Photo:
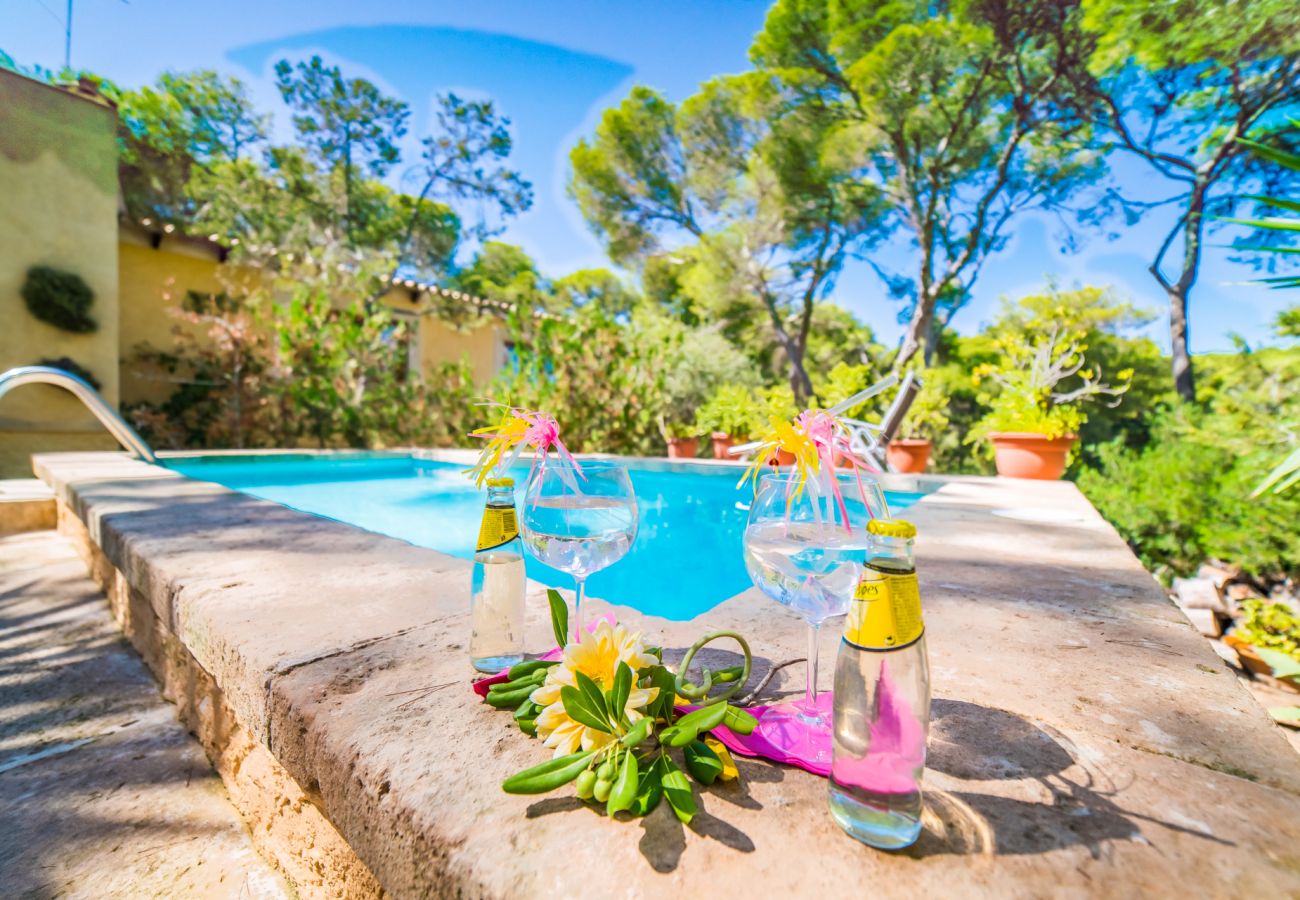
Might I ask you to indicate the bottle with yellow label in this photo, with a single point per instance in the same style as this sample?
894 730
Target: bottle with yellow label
882 697
497 591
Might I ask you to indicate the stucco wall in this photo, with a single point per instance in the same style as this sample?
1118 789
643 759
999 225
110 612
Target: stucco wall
482 347
152 285
58 207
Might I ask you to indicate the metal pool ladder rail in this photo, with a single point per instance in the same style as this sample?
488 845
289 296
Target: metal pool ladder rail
108 417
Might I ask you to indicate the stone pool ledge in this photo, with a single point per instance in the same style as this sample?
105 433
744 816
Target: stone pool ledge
1086 739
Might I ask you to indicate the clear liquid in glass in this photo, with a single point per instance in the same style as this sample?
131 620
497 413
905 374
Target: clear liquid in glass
497 609
882 719
579 534
810 567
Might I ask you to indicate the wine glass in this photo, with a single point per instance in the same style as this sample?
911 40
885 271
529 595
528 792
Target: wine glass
801 552
579 519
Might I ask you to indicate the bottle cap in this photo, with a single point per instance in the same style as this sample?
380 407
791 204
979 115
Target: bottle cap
500 482
895 528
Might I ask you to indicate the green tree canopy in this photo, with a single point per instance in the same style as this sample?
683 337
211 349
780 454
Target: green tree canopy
952 109
733 200
1176 85
169 130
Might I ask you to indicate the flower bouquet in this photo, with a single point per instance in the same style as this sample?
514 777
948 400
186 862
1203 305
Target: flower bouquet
613 714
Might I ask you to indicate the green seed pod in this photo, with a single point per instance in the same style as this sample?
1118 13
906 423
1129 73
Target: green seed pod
549 775
528 667
585 785
623 794
606 770
602 789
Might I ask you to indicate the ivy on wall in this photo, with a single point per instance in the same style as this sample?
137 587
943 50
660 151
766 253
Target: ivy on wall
60 298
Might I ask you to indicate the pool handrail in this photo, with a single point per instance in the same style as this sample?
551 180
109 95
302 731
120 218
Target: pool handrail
90 398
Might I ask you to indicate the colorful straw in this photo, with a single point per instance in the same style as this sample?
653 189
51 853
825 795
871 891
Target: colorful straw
813 438
518 430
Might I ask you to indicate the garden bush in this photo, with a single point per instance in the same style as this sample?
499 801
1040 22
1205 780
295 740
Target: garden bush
1186 498
59 298
72 367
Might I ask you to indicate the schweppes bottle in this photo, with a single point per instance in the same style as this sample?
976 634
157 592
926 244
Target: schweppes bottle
497 590
882 696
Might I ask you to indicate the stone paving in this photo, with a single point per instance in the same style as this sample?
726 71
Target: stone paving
1086 741
102 792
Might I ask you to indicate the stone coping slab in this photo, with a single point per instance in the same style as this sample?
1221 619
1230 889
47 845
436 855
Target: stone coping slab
1086 738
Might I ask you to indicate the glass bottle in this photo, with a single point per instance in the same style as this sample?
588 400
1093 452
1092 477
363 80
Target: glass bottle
882 697
497 590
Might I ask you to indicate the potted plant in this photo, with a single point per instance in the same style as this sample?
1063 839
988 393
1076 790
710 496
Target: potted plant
925 421
695 363
1266 635
682 439
1032 423
727 417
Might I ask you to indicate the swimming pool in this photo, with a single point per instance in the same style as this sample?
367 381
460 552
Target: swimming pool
686 558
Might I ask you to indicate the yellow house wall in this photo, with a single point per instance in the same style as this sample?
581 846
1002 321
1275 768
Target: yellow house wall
482 347
58 207
152 284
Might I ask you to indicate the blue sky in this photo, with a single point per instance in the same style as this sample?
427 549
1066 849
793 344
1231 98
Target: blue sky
552 67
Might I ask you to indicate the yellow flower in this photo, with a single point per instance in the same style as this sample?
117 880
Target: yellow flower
597 656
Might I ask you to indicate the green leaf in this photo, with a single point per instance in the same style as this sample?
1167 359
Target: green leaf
618 694
650 789
1287 714
580 710
663 679
638 733
623 794
549 775
1283 473
1283 664
677 789
1273 154
703 719
704 765
595 698
559 617
741 721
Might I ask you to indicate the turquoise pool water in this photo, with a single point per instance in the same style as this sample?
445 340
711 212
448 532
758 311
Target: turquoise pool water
686 558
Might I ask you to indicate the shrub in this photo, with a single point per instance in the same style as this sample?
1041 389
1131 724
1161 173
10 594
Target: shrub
1186 498
1270 626
60 298
731 410
72 367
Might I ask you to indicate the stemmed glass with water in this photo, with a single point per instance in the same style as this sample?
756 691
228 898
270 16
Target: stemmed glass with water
802 552
579 517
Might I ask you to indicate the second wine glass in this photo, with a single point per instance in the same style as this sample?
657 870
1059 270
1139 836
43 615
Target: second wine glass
579 518
802 551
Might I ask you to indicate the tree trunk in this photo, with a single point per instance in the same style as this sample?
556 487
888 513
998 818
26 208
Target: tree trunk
1184 383
1179 290
800 383
917 335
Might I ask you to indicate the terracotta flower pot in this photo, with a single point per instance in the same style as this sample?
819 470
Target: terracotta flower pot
683 448
722 442
1022 454
908 455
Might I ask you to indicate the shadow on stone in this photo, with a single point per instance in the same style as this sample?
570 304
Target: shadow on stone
977 743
